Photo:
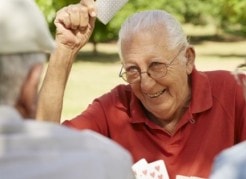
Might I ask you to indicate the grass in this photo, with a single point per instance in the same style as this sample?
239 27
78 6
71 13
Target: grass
92 76
87 81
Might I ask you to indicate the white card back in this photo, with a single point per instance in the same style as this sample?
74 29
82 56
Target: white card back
106 9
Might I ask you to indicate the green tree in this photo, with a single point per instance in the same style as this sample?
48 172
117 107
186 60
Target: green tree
229 14
50 7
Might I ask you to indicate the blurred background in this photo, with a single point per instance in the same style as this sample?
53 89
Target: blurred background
216 28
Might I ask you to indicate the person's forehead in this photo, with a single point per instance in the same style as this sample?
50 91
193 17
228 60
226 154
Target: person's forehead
146 37
146 44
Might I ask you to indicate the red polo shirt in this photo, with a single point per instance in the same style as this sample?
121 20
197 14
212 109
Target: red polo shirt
214 120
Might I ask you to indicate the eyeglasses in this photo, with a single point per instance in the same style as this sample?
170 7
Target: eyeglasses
156 70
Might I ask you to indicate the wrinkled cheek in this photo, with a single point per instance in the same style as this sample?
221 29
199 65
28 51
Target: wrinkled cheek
137 90
174 99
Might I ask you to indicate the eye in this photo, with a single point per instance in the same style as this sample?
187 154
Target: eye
132 72
157 66
132 69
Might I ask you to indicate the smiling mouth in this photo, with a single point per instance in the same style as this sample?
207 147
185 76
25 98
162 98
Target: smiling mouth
155 95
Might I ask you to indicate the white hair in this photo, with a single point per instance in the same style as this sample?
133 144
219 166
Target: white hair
14 69
151 21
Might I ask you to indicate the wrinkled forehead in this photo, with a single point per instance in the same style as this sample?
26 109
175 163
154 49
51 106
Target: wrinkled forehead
155 28
155 35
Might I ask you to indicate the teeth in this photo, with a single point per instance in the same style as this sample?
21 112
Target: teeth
155 94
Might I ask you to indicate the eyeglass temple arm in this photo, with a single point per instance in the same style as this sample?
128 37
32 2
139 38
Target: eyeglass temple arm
120 75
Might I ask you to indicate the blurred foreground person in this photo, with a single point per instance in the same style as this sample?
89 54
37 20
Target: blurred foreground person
230 163
168 111
32 149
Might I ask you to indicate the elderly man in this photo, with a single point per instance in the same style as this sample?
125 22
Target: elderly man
168 111
32 149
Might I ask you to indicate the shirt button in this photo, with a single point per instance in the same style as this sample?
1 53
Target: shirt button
192 121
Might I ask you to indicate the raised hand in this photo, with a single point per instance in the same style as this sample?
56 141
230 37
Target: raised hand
75 24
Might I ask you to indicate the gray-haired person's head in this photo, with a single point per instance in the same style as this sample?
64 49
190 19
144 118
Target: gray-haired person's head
25 41
158 22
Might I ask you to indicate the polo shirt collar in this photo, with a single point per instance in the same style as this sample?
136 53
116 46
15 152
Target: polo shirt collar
201 99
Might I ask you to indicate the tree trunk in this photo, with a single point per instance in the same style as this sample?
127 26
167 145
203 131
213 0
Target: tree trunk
95 52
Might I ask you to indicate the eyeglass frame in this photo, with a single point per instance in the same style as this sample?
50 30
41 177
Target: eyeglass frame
141 72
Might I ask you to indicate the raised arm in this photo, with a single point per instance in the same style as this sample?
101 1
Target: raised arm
74 24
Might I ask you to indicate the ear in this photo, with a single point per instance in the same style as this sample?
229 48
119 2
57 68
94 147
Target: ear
190 56
27 101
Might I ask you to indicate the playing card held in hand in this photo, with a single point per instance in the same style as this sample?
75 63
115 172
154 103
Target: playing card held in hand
154 170
106 9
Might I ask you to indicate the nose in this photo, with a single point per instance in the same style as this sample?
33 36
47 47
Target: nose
146 81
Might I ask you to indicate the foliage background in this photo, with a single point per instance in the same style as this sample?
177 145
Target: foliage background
225 15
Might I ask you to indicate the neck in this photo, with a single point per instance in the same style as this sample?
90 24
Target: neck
170 124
